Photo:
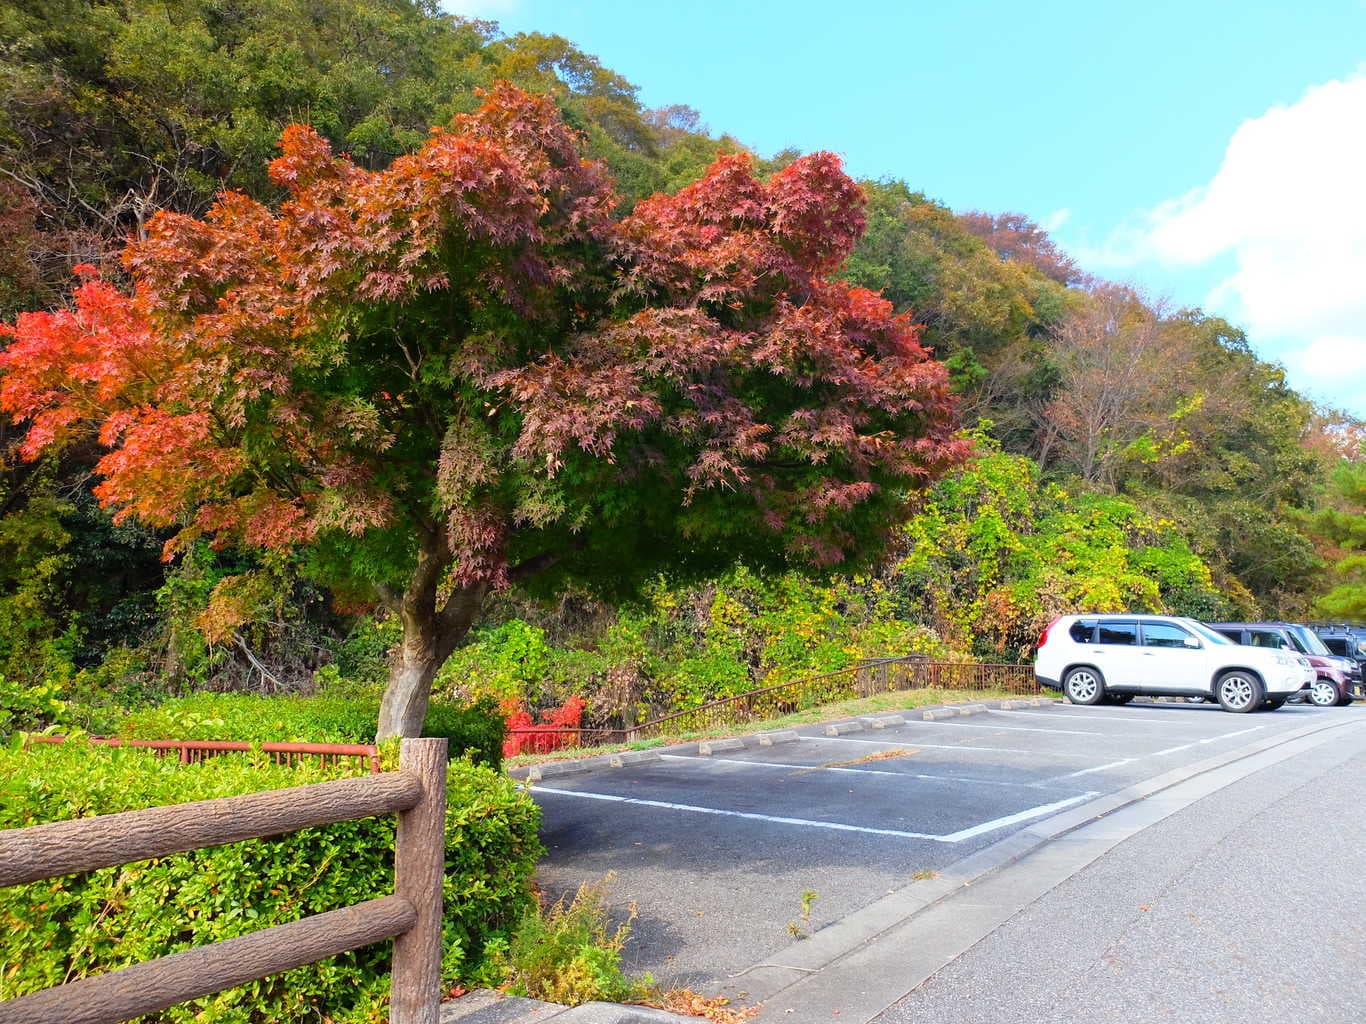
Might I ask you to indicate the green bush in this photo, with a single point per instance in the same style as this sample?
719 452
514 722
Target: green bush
476 729
570 953
72 927
31 708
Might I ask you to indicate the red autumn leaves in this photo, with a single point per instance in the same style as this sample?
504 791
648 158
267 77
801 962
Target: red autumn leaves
425 345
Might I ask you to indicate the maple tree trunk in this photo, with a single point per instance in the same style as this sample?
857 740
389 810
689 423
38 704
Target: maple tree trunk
430 633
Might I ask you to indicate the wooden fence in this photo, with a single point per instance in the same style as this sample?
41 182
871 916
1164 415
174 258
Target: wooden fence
411 916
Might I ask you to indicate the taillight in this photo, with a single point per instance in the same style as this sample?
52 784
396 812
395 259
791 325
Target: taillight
1043 637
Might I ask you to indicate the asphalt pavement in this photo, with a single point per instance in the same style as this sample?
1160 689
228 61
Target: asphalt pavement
1247 905
879 823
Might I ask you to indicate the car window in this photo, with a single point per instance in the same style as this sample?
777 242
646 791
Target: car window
1268 638
1118 633
1164 634
1308 640
1336 644
1083 631
1232 635
1213 636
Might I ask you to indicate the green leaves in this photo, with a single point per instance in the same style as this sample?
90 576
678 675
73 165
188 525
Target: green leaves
72 927
1343 526
996 553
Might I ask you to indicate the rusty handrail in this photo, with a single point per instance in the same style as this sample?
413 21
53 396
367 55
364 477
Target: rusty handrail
188 749
863 680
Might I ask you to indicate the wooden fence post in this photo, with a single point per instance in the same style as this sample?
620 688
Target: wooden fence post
419 870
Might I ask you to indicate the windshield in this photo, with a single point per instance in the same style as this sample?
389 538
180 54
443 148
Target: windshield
1209 634
1309 641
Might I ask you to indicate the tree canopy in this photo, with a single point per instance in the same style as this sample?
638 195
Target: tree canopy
461 370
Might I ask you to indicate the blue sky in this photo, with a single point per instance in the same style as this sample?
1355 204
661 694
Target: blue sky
1209 152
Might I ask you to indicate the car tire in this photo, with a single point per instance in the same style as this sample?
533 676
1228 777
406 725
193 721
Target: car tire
1273 703
1239 692
1323 694
1084 686
1344 700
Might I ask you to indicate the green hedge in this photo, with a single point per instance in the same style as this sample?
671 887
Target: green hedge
477 729
68 928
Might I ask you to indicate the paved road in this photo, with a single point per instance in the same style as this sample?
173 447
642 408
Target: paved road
717 851
1248 905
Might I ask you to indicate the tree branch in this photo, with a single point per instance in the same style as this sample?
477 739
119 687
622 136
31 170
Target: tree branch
255 662
533 566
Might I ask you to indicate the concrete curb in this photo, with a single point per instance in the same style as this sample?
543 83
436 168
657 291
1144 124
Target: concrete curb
883 721
630 757
938 714
706 748
550 769
795 965
843 728
486 1006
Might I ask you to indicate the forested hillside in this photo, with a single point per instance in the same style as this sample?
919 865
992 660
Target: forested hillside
1124 454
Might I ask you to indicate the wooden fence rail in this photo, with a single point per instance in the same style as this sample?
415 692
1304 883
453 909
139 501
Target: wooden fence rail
411 916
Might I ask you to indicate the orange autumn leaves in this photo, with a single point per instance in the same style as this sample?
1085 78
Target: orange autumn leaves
469 341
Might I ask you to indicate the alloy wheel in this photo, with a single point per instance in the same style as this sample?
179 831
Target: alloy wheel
1236 692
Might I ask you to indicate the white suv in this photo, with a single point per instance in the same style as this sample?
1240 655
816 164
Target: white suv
1093 658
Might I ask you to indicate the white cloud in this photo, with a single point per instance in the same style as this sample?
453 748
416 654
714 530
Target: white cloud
1287 209
1058 218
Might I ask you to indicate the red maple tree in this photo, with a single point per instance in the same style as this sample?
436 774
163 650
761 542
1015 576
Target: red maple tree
460 372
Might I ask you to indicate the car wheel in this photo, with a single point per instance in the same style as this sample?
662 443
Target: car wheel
1323 694
1084 686
1272 703
1239 692
1196 700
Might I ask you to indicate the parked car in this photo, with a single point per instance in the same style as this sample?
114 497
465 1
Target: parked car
1338 679
1094 658
1344 640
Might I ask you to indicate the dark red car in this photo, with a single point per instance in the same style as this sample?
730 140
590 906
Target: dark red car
1336 686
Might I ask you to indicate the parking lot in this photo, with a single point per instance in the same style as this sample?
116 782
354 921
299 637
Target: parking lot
717 850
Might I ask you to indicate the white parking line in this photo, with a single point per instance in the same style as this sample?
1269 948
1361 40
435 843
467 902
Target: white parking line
1089 771
1110 718
855 771
947 746
1209 739
1156 753
1017 728
995 823
837 826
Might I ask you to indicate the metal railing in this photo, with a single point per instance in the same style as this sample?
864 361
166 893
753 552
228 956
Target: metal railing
864 680
411 916
195 751
884 675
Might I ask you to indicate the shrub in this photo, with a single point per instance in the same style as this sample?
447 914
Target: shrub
68 928
30 707
556 730
569 953
476 729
